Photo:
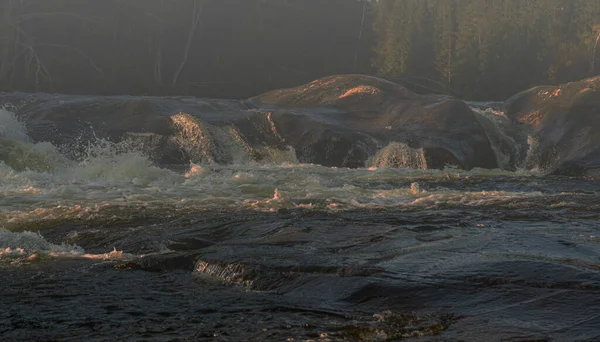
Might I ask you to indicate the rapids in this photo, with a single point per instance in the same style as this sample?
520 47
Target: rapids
247 241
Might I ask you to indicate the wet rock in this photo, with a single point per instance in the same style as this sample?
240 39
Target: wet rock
564 121
341 121
347 117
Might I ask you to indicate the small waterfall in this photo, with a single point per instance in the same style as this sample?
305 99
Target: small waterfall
399 155
516 145
236 274
194 138
250 277
532 159
508 142
210 144
540 159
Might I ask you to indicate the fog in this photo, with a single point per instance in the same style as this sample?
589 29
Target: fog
231 48
475 49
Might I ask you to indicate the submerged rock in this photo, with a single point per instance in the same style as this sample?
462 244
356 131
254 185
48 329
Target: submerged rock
564 121
342 121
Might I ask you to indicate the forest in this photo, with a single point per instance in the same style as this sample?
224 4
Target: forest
474 49
487 49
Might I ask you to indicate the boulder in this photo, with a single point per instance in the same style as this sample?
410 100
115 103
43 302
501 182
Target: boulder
564 121
343 121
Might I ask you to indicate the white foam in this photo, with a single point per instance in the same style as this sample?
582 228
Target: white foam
89 191
113 177
28 244
399 155
11 128
115 163
19 247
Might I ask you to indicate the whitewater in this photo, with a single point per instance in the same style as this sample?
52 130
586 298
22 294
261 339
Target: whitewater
97 240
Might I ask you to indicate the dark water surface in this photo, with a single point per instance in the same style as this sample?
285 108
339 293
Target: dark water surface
517 268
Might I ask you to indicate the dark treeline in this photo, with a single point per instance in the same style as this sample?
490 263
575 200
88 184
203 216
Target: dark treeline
478 49
487 49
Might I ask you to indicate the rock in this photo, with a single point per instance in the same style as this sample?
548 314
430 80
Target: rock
564 121
342 121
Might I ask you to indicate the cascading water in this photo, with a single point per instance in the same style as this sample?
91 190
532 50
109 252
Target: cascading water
532 158
11 128
515 147
210 144
508 143
19 153
399 155
194 138
38 183
318 249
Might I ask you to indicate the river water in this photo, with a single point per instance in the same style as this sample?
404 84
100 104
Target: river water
112 247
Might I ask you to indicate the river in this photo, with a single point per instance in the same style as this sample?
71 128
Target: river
115 247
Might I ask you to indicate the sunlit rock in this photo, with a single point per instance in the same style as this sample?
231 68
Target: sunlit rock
342 121
565 121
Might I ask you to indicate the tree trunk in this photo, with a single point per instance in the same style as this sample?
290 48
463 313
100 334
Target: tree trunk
158 59
593 64
360 34
7 42
451 42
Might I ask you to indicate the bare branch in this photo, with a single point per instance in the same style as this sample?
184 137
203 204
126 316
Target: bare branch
32 45
40 67
159 19
360 34
31 16
6 50
196 14
21 32
77 50
158 66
